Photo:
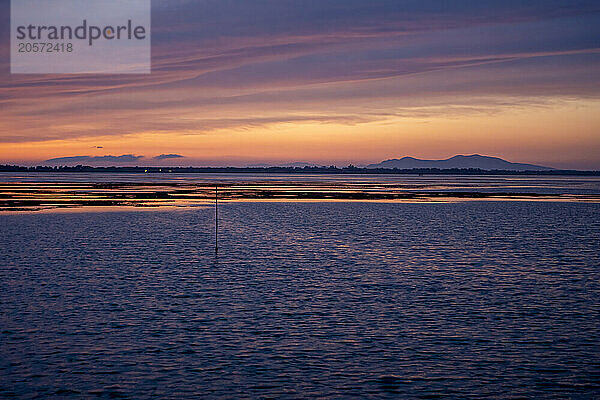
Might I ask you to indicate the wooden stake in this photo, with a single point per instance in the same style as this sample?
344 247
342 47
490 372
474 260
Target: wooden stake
216 219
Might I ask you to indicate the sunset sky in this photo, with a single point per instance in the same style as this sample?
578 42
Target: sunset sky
329 82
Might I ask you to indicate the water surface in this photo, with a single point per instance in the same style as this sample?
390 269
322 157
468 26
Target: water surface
328 300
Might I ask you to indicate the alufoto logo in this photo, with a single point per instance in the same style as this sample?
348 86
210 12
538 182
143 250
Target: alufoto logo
80 36
87 32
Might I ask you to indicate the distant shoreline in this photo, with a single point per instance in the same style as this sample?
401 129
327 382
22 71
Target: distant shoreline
288 170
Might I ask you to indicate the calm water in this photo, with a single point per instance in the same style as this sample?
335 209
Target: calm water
329 300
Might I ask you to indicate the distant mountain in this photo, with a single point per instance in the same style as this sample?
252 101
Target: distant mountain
472 161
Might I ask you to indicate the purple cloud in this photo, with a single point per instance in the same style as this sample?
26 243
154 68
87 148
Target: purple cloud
168 157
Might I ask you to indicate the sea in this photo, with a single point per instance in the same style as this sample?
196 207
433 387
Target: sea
321 299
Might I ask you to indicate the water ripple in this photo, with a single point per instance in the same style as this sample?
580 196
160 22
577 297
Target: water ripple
328 300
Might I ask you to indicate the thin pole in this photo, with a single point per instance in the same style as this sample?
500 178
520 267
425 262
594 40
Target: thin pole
216 219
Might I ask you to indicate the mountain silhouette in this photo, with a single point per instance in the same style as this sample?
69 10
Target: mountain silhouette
460 161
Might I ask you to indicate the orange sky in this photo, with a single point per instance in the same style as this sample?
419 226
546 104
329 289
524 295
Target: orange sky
523 86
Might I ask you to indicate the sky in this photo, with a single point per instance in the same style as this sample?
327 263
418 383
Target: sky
237 82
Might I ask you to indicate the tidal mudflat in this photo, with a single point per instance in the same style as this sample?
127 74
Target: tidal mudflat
54 191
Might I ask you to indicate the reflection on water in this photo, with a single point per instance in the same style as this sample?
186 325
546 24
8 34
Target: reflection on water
34 192
328 300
